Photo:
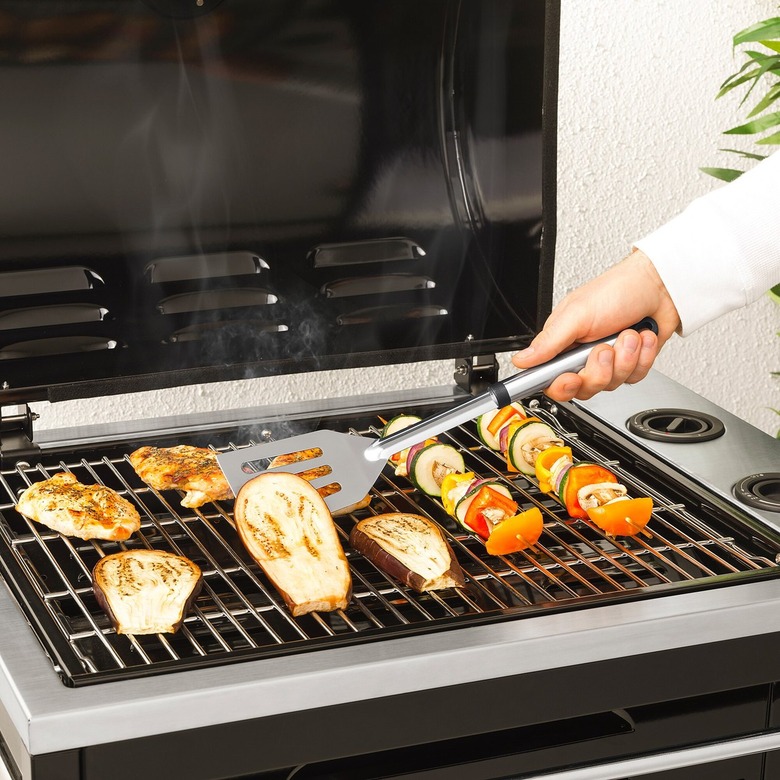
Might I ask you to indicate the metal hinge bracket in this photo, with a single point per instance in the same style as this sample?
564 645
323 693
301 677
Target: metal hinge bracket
16 434
474 374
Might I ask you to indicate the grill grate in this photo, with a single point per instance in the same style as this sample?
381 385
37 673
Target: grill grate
238 614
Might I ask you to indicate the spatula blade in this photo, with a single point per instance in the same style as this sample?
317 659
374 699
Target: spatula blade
341 452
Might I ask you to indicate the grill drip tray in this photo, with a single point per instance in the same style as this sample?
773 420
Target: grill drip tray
239 616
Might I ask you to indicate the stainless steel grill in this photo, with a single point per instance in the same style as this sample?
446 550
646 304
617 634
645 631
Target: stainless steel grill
240 616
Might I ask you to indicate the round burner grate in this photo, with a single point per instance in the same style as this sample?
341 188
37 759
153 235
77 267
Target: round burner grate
679 426
760 490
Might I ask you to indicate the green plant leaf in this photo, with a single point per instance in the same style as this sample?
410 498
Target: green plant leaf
760 56
732 81
768 29
770 140
753 75
748 155
771 96
773 45
724 174
774 293
757 125
770 65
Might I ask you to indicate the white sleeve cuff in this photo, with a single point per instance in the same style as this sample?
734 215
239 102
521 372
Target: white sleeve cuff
723 251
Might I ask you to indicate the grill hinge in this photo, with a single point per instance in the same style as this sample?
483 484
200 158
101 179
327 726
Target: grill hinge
16 433
475 373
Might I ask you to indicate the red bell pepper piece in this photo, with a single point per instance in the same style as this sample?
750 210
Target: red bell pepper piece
487 499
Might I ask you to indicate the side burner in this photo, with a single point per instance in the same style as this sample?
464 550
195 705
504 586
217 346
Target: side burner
682 426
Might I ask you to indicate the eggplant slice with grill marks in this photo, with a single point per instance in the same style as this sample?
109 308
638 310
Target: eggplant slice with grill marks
146 591
288 530
410 548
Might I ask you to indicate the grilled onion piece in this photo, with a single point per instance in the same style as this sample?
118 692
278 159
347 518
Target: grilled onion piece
64 504
194 470
146 591
286 527
410 548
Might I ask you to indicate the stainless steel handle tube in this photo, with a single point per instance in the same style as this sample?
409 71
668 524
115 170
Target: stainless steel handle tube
520 385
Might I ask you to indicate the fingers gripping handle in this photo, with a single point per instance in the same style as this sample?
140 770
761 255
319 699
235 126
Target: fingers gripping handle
532 380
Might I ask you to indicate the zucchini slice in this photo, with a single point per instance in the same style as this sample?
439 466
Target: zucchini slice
484 420
430 464
398 423
527 442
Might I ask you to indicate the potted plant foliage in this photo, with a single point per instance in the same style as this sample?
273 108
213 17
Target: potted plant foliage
759 76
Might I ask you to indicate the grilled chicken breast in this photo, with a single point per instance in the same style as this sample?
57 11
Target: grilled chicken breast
192 469
286 527
64 504
146 591
318 471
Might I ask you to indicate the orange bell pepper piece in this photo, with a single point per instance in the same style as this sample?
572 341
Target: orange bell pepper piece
502 416
623 518
516 533
545 461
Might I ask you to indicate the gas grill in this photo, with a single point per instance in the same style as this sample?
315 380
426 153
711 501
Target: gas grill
189 215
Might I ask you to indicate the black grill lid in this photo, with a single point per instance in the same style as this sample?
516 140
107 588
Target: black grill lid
203 191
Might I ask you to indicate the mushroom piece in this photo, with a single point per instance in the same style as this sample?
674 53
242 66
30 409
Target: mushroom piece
599 494
531 448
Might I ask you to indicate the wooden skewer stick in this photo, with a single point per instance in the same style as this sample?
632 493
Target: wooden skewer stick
639 530
528 544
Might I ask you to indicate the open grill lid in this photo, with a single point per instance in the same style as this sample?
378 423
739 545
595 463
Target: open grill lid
198 191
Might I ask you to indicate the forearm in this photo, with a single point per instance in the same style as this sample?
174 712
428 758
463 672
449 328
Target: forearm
723 251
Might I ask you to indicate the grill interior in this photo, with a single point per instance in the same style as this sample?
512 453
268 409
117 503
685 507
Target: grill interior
239 615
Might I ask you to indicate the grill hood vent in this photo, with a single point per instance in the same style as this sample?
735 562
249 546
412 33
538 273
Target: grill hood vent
270 151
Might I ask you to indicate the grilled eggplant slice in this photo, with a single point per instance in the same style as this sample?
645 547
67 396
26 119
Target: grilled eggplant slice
146 591
410 548
287 528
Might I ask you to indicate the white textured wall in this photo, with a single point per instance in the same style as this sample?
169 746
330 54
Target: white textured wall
637 118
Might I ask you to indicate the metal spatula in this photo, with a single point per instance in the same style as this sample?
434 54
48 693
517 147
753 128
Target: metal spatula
356 461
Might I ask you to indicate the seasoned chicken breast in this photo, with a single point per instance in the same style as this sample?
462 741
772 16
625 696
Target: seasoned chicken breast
63 504
192 469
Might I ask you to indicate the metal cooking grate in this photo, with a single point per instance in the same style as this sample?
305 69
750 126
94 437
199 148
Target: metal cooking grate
239 615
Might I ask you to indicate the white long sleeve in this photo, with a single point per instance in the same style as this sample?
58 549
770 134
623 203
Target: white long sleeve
723 251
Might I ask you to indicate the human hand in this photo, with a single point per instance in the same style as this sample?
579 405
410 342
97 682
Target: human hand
608 304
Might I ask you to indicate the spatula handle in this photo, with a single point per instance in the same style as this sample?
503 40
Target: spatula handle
499 394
